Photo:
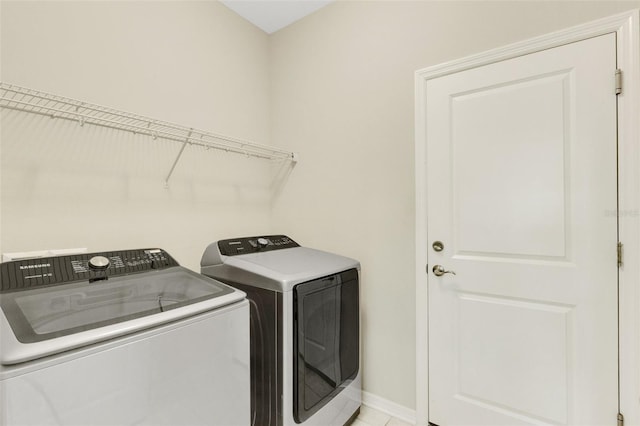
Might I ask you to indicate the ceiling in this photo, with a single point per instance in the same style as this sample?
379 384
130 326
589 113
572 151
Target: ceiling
272 15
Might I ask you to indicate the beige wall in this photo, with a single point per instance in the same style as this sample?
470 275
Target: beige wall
337 87
343 97
194 63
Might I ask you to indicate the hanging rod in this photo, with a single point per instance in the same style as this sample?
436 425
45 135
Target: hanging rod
37 102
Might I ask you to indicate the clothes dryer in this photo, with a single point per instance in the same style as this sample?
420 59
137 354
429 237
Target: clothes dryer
121 338
305 328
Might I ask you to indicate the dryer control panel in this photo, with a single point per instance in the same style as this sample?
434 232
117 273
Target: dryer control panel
30 273
237 246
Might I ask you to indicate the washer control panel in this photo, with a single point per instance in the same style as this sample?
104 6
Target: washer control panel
30 273
237 246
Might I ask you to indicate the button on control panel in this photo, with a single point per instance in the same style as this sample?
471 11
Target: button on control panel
98 262
237 246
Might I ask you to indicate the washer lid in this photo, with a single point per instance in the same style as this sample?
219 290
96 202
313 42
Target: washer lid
46 320
291 266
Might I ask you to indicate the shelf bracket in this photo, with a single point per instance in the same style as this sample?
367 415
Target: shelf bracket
184 145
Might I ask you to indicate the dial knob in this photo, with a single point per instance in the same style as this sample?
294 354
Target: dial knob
262 242
98 262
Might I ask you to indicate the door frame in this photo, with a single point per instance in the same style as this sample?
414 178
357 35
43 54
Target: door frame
626 27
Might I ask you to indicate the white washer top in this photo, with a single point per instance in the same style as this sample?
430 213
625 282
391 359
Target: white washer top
47 320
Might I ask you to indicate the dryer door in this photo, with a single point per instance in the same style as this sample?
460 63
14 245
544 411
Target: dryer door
326 340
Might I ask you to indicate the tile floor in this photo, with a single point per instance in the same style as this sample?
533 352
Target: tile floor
370 417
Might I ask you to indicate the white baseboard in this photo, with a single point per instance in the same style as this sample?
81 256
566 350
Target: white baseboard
389 407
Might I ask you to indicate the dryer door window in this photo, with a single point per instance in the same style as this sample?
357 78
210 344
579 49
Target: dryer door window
326 340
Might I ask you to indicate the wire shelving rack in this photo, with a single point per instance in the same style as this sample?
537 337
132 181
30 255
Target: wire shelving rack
37 102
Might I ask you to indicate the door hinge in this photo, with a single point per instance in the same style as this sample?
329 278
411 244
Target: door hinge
620 254
620 419
618 81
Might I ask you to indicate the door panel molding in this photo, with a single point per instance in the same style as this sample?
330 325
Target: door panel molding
626 28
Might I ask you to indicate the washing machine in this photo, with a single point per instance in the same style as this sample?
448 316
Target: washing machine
305 328
121 338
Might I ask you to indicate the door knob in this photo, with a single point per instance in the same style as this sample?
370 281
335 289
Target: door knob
439 271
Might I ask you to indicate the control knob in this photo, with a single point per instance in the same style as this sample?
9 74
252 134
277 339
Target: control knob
99 262
262 242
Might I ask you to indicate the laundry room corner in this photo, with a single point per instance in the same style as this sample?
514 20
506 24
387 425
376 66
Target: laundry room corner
334 91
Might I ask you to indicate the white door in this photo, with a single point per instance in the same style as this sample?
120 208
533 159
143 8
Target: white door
522 194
